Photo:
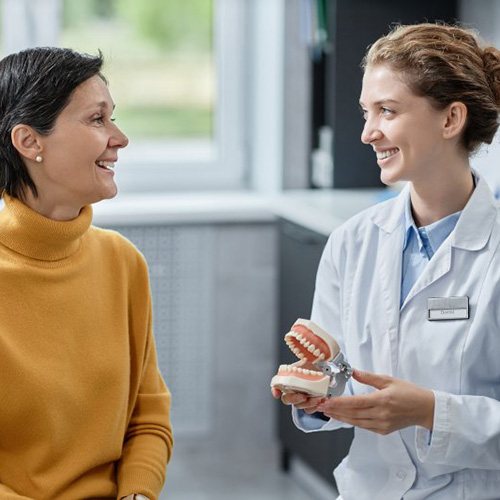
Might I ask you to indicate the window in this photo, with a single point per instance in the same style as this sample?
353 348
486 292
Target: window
175 72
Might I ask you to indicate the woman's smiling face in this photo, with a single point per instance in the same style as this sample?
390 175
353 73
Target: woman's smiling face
80 152
404 129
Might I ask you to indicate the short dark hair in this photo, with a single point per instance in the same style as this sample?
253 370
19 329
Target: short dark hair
35 86
446 63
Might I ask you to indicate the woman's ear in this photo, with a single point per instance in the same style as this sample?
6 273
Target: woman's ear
456 117
26 140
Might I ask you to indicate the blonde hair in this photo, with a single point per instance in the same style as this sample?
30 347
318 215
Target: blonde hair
446 64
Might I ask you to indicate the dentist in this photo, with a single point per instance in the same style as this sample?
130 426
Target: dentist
411 287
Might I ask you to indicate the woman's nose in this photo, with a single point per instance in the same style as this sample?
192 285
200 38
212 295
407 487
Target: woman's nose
118 139
370 132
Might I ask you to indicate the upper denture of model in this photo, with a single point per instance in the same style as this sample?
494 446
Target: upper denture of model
308 341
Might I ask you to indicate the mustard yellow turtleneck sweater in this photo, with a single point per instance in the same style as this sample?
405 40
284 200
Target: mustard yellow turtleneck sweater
84 412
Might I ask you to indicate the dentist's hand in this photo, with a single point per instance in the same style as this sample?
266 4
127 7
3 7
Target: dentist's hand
300 400
395 404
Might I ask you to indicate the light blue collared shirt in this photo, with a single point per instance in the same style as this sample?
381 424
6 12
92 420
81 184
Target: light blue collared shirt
420 245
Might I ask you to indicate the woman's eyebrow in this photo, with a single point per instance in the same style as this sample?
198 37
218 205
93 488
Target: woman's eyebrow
381 101
102 104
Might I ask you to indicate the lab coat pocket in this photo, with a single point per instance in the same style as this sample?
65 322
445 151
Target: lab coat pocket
430 353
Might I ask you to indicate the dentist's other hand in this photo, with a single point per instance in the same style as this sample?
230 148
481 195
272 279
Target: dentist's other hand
395 404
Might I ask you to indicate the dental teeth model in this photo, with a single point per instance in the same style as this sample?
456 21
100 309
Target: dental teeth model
321 369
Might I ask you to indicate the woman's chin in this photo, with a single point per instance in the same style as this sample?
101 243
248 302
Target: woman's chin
393 174
110 191
103 194
388 179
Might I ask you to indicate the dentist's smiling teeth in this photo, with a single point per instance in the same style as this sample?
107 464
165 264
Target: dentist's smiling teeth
382 155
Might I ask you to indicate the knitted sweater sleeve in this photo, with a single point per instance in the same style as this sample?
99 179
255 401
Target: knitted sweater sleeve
148 441
8 494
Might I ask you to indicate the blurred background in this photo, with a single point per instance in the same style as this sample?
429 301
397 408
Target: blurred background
159 58
244 155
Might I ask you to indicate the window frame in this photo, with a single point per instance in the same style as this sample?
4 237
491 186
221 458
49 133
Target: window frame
194 164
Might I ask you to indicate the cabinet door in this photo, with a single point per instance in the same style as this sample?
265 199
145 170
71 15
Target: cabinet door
300 252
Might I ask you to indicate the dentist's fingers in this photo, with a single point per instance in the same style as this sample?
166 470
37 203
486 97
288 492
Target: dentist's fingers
293 398
310 405
276 393
313 408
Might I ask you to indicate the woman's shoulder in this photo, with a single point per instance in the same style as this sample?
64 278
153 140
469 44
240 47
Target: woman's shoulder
115 244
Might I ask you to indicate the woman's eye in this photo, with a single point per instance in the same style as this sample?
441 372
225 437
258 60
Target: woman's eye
386 111
98 119
364 113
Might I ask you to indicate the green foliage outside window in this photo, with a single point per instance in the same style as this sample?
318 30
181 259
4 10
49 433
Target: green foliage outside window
172 24
158 57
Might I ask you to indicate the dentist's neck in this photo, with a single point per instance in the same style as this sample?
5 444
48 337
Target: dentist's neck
446 193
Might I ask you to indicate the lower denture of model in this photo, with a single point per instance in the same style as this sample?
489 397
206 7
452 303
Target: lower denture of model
311 344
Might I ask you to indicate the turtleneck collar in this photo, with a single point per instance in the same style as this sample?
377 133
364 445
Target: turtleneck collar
31 234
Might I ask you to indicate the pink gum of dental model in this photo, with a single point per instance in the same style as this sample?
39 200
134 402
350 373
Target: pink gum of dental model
311 344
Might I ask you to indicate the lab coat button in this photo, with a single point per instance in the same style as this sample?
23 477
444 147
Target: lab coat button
401 474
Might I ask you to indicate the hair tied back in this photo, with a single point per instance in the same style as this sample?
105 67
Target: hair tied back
491 61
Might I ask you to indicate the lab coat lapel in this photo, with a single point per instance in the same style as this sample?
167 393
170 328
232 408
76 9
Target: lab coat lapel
390 220
438 266
471 233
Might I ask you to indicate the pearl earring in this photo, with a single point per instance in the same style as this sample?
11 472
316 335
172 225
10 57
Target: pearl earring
39 159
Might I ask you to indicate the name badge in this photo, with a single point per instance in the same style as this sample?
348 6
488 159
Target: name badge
445 308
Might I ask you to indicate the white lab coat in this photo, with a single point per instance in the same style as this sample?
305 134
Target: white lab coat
357 300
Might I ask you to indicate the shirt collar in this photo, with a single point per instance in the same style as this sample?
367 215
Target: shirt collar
434 233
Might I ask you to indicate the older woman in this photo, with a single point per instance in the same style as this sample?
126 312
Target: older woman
84 410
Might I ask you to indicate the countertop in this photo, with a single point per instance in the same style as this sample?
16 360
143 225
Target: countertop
319 210
323 210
